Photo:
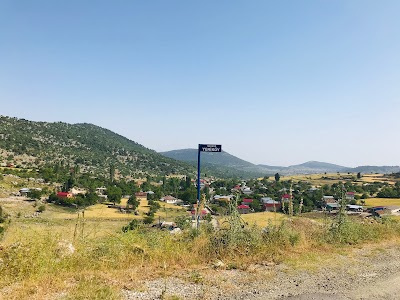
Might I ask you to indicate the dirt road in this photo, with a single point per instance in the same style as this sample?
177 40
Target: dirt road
368 273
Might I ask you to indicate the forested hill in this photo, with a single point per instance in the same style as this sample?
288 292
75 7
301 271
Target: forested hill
92 148
221 158
221 164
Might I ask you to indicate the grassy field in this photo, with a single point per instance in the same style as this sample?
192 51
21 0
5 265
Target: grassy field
382 202
106 260
317 179
99 220
263 219
370 178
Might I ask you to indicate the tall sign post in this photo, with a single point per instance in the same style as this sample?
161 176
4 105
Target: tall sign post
203 148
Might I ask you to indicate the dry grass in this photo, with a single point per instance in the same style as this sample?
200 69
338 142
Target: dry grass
317 180
263 219
107 260
371 178
382 202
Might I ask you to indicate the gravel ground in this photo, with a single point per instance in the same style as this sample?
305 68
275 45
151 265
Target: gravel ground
369 273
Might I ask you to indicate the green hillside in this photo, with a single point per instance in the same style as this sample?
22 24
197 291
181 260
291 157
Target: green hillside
221 164
93 149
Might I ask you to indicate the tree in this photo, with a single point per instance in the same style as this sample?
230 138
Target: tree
114 194
358 175
1 215
34 194
148 219
112 172
133 202
69 184
277 177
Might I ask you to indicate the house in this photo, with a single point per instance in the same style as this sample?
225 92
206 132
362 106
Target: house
101 191
24 192
271 205
286 197
222 198
350 196
356 208
247 201
141 195
246 191
332 206
202 213
385 210
235 189
265 199
376 208
64 195
243 209
171 200
328 199
76 191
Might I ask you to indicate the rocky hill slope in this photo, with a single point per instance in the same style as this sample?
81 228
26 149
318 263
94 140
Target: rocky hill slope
93 149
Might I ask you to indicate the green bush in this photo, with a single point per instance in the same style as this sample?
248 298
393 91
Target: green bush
41 208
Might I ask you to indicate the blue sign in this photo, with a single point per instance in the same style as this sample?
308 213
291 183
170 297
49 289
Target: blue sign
209 148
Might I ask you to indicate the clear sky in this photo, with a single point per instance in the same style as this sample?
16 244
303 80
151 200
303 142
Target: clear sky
275 82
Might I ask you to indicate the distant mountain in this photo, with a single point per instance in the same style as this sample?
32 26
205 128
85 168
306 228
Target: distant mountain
91 148
310 167
374 169
318 165
315 167
220 158
221 164
225 163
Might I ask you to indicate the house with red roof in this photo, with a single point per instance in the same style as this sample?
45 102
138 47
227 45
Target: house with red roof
141 195
243 209
236 188
64 195
203 213
350 196
271 205
247 201
286 197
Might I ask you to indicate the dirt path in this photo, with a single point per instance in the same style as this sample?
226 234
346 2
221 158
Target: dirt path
368 273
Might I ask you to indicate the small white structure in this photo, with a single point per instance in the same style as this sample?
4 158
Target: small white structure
247 191
351 207
24 192
76 191
171 200
101 190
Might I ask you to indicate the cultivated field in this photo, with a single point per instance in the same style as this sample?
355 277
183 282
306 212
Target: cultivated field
382 202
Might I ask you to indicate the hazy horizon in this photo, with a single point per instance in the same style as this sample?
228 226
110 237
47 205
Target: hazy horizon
276 83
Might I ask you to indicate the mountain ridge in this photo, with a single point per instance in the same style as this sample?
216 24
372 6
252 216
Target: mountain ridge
91 147
33 144
309 167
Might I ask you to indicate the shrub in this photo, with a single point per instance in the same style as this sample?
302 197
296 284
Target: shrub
134 224
41 208
148 219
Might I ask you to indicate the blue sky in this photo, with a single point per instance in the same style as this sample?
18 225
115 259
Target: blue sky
274 82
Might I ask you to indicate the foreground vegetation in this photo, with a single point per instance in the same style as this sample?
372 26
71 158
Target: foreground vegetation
36 260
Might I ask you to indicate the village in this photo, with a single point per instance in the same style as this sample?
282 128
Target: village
247 197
